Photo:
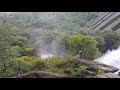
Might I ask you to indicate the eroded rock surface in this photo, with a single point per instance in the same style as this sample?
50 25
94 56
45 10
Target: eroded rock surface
92 66
107 75
41 74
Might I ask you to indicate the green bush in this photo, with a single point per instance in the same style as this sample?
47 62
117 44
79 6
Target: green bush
38 64
100 71
19 41
79 73
57 62
17 51
54 69
9 73
20 66
29 50
28 59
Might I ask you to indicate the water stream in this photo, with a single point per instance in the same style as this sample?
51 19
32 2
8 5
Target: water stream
111 58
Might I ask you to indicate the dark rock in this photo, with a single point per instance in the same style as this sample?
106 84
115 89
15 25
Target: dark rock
107 68
89 74
93 66
118 73
41 74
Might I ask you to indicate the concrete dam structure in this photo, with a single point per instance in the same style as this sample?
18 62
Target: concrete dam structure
107 21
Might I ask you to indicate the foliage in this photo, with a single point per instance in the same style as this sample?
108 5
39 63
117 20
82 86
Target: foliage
20 66
100 71
23 35
80 72
112 40
38 64
16 51
5 42
68 20
57 62
19 41
9 73
86 44
29 50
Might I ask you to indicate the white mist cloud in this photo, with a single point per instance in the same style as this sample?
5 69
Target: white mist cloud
111 58
47 55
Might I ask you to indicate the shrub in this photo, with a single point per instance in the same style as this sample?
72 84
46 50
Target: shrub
19 41
16 51
54 69
29 50
27 58
100 71
20 66
79 73
9 73
57 62
38 64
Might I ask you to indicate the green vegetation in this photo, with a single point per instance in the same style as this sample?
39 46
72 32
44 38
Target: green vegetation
100 71
5 43
24 36
86 44
80 72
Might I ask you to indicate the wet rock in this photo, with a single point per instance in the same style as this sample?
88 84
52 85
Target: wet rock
41 74
89 74
118 73
107 75
93 66
108 68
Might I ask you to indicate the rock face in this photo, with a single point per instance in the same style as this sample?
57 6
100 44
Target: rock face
118 73
93 66
41 74
107 75
108 68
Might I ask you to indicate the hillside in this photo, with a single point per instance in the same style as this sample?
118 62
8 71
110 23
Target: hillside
55 44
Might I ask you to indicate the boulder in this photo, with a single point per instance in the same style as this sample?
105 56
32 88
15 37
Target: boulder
40 74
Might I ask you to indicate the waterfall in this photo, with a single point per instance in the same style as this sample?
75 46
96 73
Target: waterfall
111 58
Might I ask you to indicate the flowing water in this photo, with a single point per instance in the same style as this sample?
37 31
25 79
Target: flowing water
111 58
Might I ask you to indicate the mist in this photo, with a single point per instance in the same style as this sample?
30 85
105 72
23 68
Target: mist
50 50
111 58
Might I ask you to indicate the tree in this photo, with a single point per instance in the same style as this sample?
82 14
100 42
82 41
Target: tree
69 20
86 44
112 40
5 41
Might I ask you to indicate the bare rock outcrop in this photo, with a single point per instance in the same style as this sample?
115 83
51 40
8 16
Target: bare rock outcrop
40 74
107 75
93 66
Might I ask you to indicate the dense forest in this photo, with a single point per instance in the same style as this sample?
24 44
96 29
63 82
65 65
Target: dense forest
51 42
